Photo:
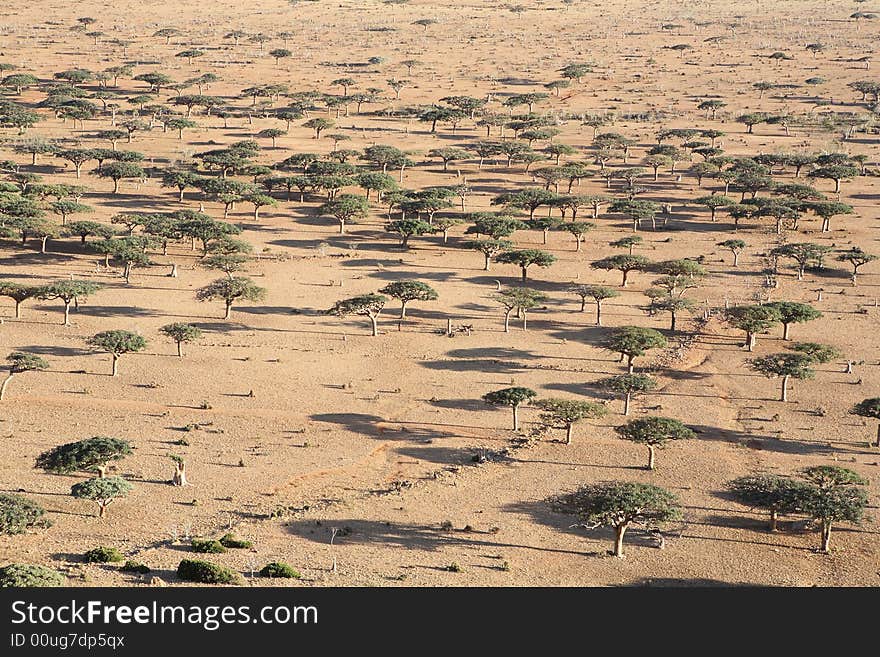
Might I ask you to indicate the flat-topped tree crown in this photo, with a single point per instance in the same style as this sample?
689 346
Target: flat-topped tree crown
634 341
88 455
368 305
565 413
654 432
619 505
103 490
407 291
513 397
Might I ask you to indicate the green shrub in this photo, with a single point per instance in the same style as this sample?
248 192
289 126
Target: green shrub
17 514
135 567
103 555
20 575
208 545
192 570
231 541
279 569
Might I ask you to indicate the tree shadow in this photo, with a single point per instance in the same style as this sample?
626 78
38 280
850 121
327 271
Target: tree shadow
355 422
758 442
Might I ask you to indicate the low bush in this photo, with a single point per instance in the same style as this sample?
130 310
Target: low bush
205 572
207 545
20 575
279 569
103 555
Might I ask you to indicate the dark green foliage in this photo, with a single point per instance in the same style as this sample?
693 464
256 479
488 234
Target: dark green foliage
18 514
205 572
18 575
135 567
280 570
233 542
774 493
88 455
103 555
208 545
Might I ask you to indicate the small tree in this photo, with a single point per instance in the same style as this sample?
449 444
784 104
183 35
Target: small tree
231 290
753 320
489 249
179 476
19 293
101 490
869 408
836 495
318 125
770 492
598 293
564 413
521 300
180 333
623 263
407 291
525 258
368 305
633 341
118 171
654 432
346 208
736 247
89 455
21 362
629 385
787 366
792 312
856 257
117 343
407 228
619 505
69 292
513 397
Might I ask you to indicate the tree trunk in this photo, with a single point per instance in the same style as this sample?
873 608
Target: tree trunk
507 320
516 417
784 395
115 364
102 509
598 313
735 259
785 328
651 455
179 349
626 402
5 383
403 310
619 533
486 265
774 516
375 325
826 536
179 477
629 363
18 310
228 310
67 313
568 430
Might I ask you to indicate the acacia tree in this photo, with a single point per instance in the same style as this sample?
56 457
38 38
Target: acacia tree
633 341
525 258
407 228
346 208
619 505
836 495
753 320
117 343
786 366
513 397
407 291
88 455
654 432
21 362
565 413
857 258
318 125
521 300
774 493
489 249
793 312
367 305
180 333
736 247
623 263
598 293
19 293
69 292
804 253
118 171
231 290
103 490
869 408
628 385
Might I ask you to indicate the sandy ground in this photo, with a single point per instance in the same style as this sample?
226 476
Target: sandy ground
372 439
